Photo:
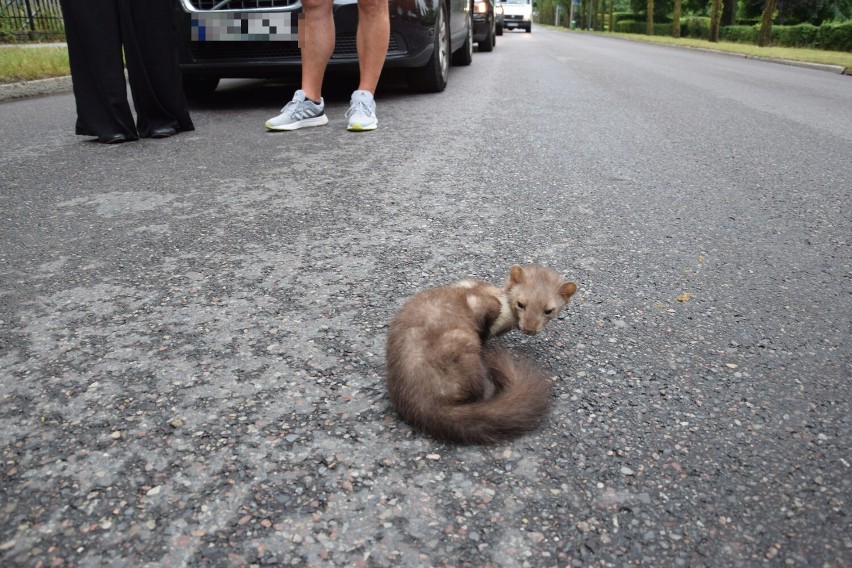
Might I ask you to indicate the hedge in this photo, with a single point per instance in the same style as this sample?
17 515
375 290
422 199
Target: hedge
833 37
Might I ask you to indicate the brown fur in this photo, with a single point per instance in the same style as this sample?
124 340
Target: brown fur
443 380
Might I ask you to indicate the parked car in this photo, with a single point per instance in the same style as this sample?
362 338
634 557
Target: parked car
517 14
498 16
257 38
484 25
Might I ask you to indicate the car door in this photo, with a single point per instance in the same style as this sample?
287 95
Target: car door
459 20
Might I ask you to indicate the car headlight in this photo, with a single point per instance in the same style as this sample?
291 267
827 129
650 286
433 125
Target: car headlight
481 7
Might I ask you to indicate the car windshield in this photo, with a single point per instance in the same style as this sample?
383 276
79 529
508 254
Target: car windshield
516 2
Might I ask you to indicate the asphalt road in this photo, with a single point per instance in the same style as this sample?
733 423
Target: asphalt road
192 329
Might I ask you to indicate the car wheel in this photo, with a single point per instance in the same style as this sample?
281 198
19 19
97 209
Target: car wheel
432 77
500 30
489 42
529 29
464 56
199 86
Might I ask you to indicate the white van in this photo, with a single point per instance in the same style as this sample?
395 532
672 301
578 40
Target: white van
517 14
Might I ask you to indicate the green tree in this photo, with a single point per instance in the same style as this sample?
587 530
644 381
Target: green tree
729 13
791 12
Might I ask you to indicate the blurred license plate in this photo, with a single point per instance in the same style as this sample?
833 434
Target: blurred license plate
243 26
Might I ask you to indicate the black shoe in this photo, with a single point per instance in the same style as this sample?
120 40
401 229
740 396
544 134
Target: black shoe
115 138
163 132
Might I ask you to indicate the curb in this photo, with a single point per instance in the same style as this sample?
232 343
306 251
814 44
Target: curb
38 87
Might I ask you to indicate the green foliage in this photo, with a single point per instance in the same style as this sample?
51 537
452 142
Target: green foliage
695 26
546 11
6 35
619 16
802 35
740 34
634 27
791 12
832 37
835 37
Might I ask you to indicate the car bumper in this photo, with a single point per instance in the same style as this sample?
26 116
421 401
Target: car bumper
481 28
517 22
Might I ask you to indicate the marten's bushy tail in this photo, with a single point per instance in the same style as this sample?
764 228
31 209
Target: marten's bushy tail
521 400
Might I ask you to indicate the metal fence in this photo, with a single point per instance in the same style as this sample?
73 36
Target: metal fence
27 20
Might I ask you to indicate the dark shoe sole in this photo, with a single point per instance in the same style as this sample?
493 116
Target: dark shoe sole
163 132
112 139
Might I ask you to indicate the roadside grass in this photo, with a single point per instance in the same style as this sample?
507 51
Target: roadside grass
28 63
840 58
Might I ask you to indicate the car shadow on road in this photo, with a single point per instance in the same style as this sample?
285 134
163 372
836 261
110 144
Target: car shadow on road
247 94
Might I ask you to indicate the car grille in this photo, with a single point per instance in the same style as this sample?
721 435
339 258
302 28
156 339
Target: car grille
240 4
513 17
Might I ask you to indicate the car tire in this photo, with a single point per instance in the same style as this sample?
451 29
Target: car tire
464 56
490 41
199 86
529 29
432 77
500 30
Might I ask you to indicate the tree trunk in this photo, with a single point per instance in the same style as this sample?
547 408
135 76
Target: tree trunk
649 27
715 20
765 37
676 18
611 21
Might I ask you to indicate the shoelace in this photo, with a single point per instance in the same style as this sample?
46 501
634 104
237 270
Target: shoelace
359 106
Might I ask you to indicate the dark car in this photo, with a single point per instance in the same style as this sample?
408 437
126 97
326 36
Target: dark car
257 38
498 16
484 25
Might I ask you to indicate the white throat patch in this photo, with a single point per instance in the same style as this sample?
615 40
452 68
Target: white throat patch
505 321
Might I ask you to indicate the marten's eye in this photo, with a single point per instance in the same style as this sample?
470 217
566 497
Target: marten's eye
548 311
521 306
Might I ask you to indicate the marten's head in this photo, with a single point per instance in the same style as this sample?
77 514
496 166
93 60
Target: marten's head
536 296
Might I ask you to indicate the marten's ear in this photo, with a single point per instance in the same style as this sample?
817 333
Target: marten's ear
567 290
516 275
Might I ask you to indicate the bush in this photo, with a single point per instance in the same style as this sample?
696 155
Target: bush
696 26
740 34
621 16
629 27
802 35
835 37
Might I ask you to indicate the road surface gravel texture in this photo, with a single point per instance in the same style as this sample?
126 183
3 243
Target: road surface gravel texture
192 329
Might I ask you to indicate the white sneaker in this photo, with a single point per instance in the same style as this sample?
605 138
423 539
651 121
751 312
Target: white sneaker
299 113
362 112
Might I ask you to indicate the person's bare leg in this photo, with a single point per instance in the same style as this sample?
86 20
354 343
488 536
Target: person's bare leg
316 39
372 41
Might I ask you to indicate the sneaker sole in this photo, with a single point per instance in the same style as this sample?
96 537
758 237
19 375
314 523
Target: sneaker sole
316 121
358 127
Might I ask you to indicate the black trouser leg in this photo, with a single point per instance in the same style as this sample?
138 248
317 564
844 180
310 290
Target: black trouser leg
150 51
94 52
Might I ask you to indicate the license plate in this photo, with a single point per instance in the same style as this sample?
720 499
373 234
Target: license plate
243 26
